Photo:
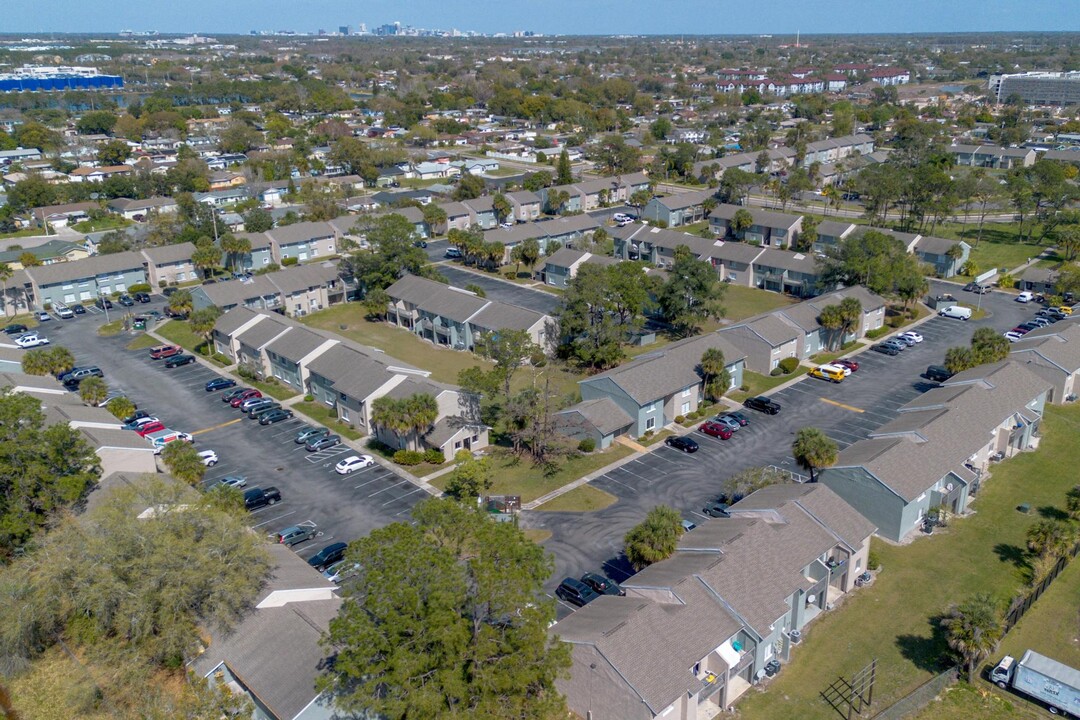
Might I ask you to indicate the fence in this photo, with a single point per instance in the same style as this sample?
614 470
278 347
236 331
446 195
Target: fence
790 474
920 697
1021 605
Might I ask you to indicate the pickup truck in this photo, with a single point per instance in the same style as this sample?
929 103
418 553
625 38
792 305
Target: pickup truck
256 498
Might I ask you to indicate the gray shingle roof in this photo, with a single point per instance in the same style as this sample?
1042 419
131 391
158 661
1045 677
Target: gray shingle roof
436 298
300 232
179 252
1059 344
262 332
296 343
502 316
228 323
603 414
86 268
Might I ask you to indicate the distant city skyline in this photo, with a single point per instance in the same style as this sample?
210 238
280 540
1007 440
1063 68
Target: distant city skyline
563 17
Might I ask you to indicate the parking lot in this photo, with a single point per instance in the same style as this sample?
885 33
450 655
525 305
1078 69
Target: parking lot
847 412
342 507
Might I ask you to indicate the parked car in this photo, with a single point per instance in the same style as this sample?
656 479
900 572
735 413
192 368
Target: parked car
150 427
142 297
762 404
310 433
254 404
716 509
81 373
328 555
738 417
126 301
1020 330
137 415
353 463
1025 297
137 423
420 244
296 534
602 585
900 345
937 373
233 481
220 384
322 443
730 420
575 592
245 394
178 360
15 329
78 309
165 351
169 291
681 442
233 394
274 415
688 525
716 429
31 340
970 287
44 316
832 373
258 497
885 349
209 458
1013 336
955 312
65 313
1042 322
103 303
849 364
911 337
341 570
452 253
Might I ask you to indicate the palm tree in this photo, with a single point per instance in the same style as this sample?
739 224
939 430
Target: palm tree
93 391
5 274
740 222
202 323
180 302
814 450
716 377
235 247
121 407
1051 538
183 461
973 629
37 362
60 360
387 413
832 319
1072 502
421 412
851 313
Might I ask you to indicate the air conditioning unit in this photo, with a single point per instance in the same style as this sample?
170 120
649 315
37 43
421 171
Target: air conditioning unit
795 636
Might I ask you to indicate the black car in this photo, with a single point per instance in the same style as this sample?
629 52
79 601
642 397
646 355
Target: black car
258 497
885 349
142 297
420 244
762 404
229 396
275 415
716 509
328 555
178 360
220 384
139 414
78 309
15 329
680 442
126 301
602 585
575 592
169 291
937 373
103 304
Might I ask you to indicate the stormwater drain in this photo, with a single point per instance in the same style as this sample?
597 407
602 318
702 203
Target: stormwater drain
278 469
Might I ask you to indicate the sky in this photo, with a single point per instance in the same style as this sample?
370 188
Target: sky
567 17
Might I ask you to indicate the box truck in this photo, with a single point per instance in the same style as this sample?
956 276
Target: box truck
1042 678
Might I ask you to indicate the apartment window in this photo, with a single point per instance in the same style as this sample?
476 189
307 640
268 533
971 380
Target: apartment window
475 438
686 392
650 423
697 669
345 413
858 565
685 408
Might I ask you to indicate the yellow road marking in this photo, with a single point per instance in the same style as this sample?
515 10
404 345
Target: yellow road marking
837 404
231 422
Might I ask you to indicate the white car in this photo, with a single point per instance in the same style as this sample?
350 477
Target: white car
354 463
1025 297
31 340
913 335
1013 336
209 458
235 481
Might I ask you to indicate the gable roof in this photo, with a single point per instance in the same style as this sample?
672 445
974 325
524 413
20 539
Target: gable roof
92 266
179 252
300 232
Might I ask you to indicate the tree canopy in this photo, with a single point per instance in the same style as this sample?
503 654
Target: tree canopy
692 294
392 253
874 259
602 307
654 538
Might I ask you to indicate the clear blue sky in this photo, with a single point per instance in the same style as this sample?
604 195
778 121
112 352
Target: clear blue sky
547 16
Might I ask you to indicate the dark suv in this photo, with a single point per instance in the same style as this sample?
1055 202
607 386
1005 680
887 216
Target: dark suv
937 373
602 585
328 555
258 497
575 592
762 404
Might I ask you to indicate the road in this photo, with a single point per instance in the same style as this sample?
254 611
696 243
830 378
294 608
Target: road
343 508
847 412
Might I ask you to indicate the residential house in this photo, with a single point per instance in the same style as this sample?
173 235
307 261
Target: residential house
100 174
657 245
696 631
570 230
600 420
655 388
562 266
47 253
304 241
830 233
222 198
935 453
457 318
735 261
525 204
787 272
170 264
946 256
274 656
764 342
225 180
573 203
139 210
458 217
84 280
992 156
1053 353
295 291
769 229
1041 280
290 354
63 215
260 253
481 212
18 155
678 209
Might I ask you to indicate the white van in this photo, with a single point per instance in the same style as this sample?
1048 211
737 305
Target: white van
1025 297
956 312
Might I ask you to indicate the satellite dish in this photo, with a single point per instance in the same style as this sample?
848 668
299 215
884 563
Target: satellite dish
949 488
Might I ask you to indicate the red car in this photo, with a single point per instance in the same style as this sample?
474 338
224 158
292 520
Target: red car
849 364
716 430
164 351
148 428
246 395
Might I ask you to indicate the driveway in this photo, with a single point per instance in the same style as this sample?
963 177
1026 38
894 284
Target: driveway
847 412
343 508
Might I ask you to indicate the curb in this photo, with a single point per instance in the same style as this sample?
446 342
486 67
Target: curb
583 480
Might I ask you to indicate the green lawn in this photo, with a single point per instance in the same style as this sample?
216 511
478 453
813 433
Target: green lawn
1052 626
276 390
824 358
110 222
743 302
348 321
179 333
581 499
327 416
521 477
648 440
983 701
893 620
142 342
758 383
111 328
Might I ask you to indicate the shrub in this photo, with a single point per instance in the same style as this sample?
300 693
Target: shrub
408 458
434 456
873 561
309 398
788 365
509 274
744 387
538 359
776 372
286 262
587 445
139 287
680 419
878 332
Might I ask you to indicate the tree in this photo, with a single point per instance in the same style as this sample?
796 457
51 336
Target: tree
93 391
206 257
814 450
563 173
96 122
735 487
832 320
392 253
1051 538
469 186
5 275
851 314
973 629
959 359
443 621
202 324
376 303
989 346
653 539
258 220
29 259
692 294
60 360
180 302
538 181
470 478
235 247
874 259
412 416
113 152
509 349
183 462
714 372
660 129
1067 239
741 222
615 156
435 217
602 308
501 206
121 407
37 362
44 469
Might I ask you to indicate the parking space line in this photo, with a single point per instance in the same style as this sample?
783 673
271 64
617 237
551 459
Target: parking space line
273 519
402 497
608 477
842 405
387 488
217 427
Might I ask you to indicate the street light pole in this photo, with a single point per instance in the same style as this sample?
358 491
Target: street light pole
104 304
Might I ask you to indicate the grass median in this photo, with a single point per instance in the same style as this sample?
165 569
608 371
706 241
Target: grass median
326 416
